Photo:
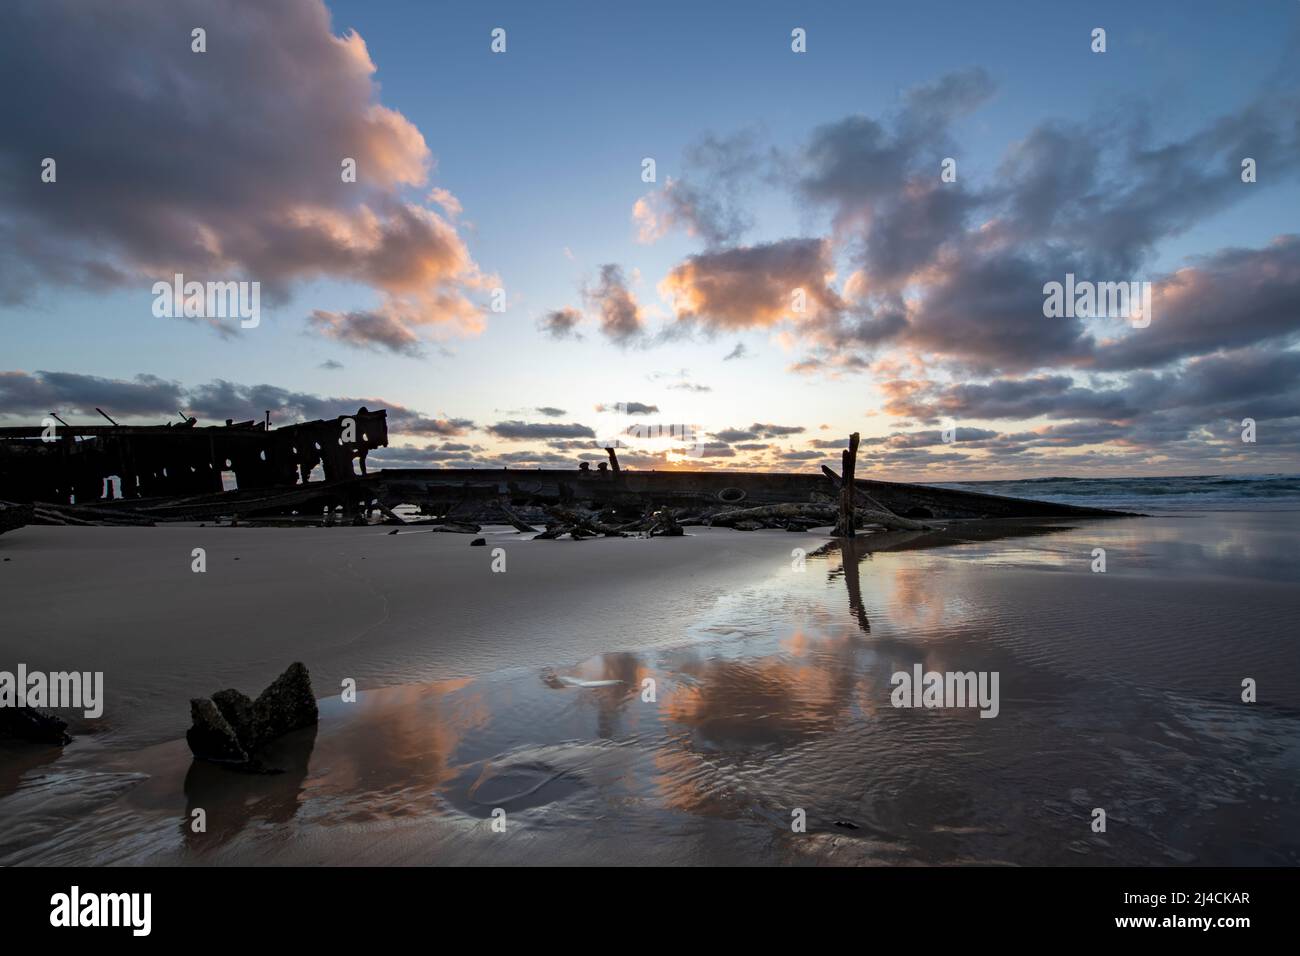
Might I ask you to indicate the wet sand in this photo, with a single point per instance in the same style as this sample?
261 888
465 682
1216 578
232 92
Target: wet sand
349 602
524 692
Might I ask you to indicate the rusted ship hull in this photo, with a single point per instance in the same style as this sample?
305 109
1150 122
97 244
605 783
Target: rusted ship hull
472 491
703 489
61 464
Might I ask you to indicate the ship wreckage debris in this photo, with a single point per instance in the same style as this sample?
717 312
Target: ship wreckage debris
250 473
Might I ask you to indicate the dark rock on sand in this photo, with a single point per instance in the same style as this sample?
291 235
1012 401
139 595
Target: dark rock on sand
33 724
229 728
286 705
237 709
211 737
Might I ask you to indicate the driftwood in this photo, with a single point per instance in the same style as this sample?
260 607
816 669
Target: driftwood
844 522
822 513
664 523
814 515
578 519
44 513
577 524
888 520
513 519
390 516
860 498
452 527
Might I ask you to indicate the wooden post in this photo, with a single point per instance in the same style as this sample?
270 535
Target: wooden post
613 460
850 458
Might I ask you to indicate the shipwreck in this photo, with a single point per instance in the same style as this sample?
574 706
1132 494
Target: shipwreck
315 472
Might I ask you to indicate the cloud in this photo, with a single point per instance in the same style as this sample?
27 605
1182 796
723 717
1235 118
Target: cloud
449 203
408 456
576 444
23 393
1187 418
739 352
923 439
378 330
752 286
708 449
1060 207
954 271
986 313
1052 396
854 164
952 95
221 399
1232 298
616 308
535 459
524 431
708 202
330 365
1112 213
147 396
549 411
734 434
629 408
679 380
405 421
171 161
757 430
561 323
776 431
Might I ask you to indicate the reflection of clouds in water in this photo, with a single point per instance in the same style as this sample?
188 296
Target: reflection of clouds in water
1254 545
231 800
609 684
729 703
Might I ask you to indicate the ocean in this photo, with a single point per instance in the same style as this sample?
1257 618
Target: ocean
1153 495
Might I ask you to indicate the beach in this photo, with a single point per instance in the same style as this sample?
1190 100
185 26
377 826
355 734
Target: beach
769 657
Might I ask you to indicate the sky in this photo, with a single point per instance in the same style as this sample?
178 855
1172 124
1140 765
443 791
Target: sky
502 276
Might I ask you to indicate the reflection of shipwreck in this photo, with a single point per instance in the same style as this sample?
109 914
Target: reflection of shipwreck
312 471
